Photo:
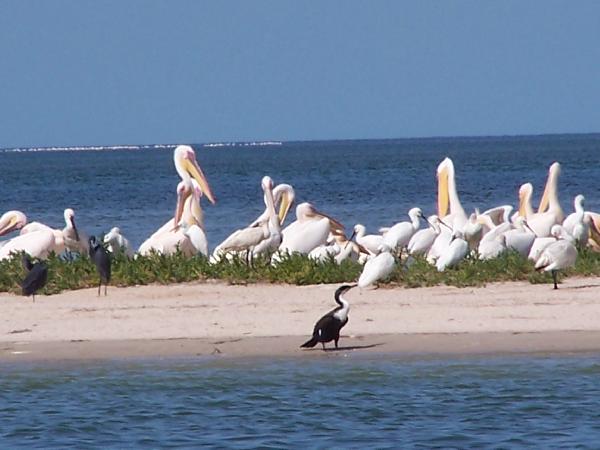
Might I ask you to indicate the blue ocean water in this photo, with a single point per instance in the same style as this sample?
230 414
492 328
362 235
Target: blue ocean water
372 182
333 402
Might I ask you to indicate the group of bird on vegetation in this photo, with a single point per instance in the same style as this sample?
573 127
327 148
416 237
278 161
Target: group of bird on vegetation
545 235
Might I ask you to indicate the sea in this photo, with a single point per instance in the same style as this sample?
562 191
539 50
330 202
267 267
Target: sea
343 400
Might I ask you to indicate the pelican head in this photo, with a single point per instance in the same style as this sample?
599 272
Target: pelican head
286 195
267 183
551 186
525 193
69 215
188 169
445 170
12 220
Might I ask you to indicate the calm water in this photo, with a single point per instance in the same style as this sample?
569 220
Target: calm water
371 182
355 401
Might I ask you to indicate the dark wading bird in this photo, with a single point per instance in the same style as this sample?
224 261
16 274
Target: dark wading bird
328 327
101 258
37 275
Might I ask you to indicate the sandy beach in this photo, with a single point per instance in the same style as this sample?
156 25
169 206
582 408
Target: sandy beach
201 319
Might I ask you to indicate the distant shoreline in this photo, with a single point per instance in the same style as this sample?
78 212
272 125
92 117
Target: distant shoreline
279 142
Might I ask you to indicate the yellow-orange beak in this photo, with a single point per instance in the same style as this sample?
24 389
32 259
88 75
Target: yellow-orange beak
443 197
192 167
284 207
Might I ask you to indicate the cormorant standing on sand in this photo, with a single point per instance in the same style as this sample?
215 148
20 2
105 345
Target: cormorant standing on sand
101 259
36 277
328 327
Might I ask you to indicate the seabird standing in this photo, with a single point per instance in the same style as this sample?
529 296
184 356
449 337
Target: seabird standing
101 258
36 277
328 327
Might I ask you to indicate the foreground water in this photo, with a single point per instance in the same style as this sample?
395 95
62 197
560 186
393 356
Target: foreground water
369 182
335 401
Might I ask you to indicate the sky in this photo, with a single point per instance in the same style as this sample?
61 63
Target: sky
113 72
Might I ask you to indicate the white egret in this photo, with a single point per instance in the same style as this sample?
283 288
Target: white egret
398 236
520 238
577 224
558 255
454 253
377 267
117 242
370 241
422 240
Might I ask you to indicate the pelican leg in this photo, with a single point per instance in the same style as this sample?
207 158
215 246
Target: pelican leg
554 278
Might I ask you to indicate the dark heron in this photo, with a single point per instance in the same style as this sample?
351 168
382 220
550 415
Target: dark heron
37 275
101 258
328 327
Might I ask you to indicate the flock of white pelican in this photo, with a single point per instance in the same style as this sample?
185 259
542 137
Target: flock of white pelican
545 236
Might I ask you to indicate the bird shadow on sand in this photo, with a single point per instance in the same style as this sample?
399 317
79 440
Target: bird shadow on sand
583 286
351 347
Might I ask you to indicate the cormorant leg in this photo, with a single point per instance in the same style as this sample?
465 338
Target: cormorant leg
323 344
33 298
554 278
105 287
99 287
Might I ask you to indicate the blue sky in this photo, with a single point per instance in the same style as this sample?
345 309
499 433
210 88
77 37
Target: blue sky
107 72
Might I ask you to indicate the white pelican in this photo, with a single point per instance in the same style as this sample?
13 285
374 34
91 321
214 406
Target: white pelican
283 197
246 239
594 238
558 255
188 169
449 208
187 235
370 241
189 191
399 235
310 229
37 244
549 212
525 208
377 267
454 253
11 221
117 242
577 224
521 238
422 240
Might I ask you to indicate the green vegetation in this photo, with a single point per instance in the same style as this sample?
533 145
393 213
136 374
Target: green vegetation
295 269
